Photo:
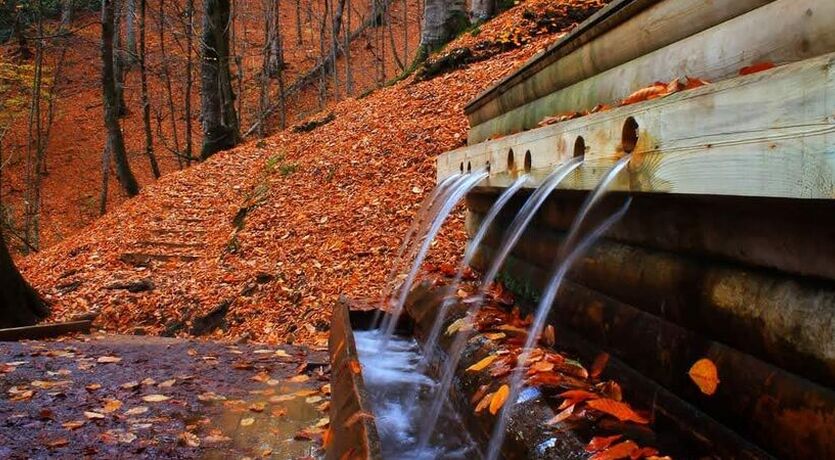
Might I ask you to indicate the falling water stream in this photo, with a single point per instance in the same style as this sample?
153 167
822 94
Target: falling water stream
459 190
469 253
566 257
514 232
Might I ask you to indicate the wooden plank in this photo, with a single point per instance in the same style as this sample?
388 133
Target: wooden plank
782 31
781 319
729 138
790 236
787 415
620 32
44 331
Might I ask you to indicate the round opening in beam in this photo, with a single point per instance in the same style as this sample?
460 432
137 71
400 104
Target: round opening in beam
511 162
629 137
579 147
528 161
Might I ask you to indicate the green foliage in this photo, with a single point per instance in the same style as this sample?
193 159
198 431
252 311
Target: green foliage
521 287
287 169
272 162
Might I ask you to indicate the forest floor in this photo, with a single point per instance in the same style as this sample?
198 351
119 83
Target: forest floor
114 397
259 242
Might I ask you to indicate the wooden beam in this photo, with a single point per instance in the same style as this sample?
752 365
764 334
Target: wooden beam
781 319
783 31
729 138
618 33
44 331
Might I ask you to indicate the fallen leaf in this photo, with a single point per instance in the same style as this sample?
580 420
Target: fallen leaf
313 399
705 375
499 398
481 365
618 451
155 398
93 387
257 407
126 438
598 365
108 359
93 415
562 416
354 365
60 442
599 443
210 396
247 421
111 405
129 385
322 422
304 378
617 409
168 383
756 67
73 425
189 439
136 410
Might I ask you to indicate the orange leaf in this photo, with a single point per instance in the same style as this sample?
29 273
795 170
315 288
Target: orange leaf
599 443
479 366
693 82
645 94
756 67
705 375
599 364
499 398
618 451
485 401
355 366
562 416
617 409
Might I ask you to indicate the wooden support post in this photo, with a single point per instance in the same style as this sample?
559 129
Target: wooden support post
44 331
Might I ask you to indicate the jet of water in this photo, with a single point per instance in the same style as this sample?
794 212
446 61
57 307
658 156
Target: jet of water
566 257
514 232
538 325
472 247
418 227
461 189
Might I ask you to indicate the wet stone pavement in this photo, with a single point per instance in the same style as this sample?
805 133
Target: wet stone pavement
151 397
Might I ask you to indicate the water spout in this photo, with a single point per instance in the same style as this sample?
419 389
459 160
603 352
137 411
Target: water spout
470 252
460 189
514 232
566 257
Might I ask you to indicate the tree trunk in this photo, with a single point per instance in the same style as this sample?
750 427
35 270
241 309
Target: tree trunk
119 59
23 51
35 147
129 11
276 50
67 10
20 305
146 103
298 22
482 10
166 73
189 78
217 100
337 25
442 19
110 99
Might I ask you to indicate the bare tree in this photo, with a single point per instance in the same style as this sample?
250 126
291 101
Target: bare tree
217 100
146 103
119 63
166 74
67 12
189 77
35 145
115 140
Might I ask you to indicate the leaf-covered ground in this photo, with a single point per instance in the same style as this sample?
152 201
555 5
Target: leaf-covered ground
260 241
114 397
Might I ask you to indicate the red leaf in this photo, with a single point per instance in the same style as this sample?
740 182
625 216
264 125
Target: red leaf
756 67
599 364
618 451
617 409
599 443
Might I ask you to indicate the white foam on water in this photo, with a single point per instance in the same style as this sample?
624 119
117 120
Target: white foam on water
400 397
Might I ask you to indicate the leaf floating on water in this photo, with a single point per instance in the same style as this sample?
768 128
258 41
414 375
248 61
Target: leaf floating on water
304 378
108 359
73 425
705 375
247 421
189 439
155 398
599 443
111 405
137 410
499 398
617 409
60 442
481 365
460 324
93 415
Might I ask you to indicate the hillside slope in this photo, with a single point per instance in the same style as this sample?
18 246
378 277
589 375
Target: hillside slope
319 213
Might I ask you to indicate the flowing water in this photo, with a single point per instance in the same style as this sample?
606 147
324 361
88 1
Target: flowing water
458 191
514 232
399 395
566 257
472 247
